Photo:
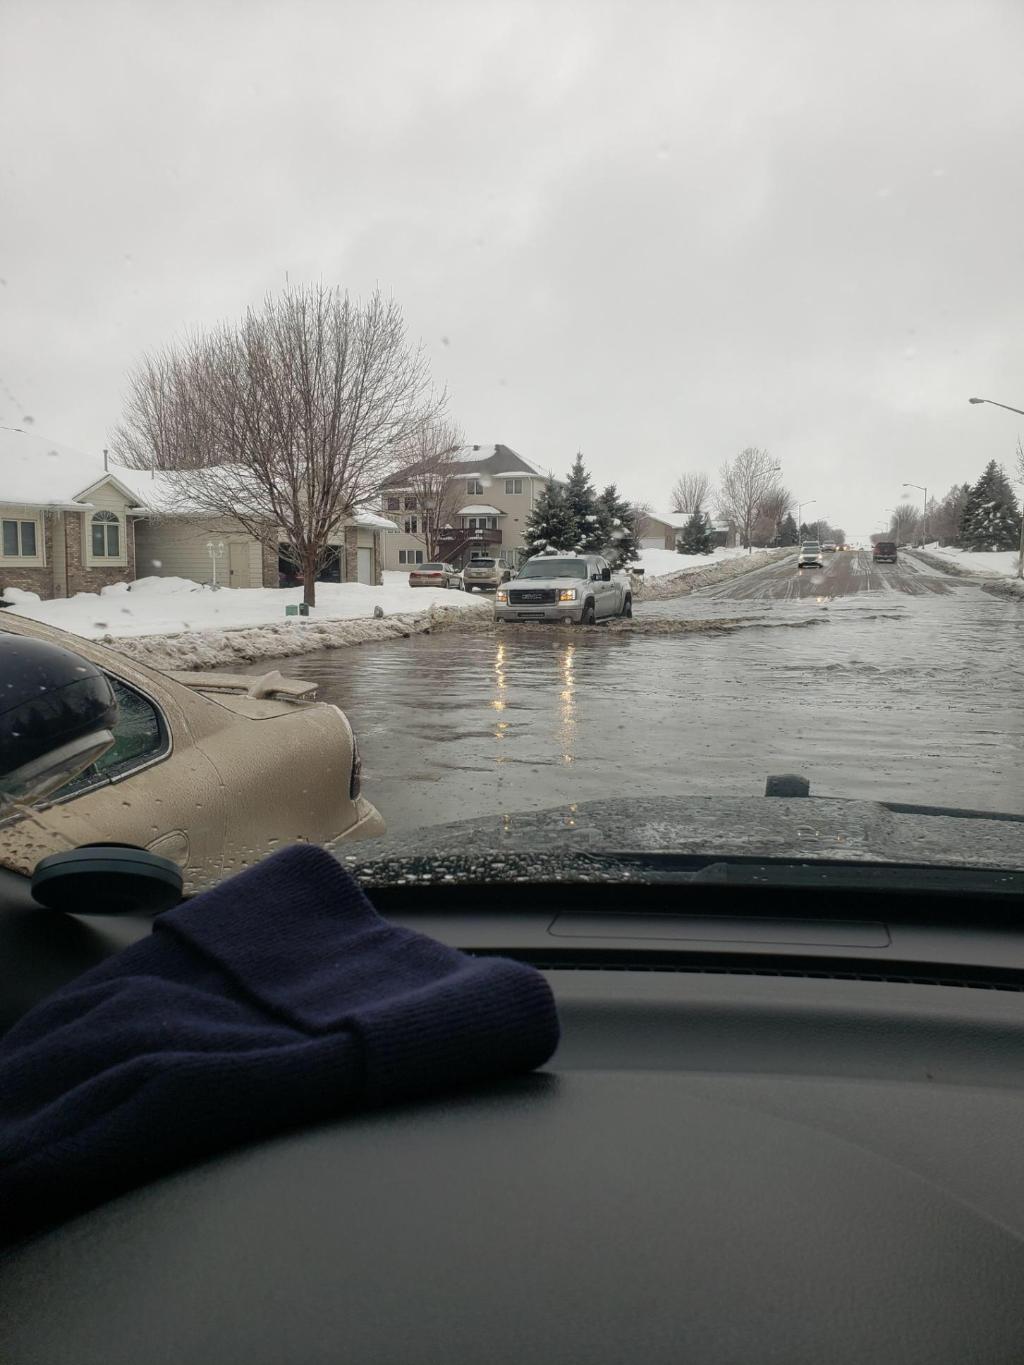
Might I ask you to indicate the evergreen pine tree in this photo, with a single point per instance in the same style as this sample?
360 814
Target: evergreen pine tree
788 533
695 537
617 521
991 520
551 525
581 501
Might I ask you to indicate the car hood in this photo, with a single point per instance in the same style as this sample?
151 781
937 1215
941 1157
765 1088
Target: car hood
601 839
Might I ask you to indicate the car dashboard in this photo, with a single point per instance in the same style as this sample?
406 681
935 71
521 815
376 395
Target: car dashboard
784 1123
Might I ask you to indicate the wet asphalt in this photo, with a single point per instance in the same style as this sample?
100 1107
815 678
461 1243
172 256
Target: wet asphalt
895 682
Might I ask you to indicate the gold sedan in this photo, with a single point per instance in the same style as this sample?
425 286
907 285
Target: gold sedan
211 770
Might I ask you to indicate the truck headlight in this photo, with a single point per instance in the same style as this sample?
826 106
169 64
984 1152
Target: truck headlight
567 594
501 595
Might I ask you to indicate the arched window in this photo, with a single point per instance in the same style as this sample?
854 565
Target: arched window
106 536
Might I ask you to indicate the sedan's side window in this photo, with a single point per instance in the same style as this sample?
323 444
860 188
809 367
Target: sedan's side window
140 736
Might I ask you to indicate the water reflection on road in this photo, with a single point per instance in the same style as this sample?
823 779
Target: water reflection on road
901 696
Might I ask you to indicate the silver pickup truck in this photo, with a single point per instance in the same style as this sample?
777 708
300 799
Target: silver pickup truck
575 589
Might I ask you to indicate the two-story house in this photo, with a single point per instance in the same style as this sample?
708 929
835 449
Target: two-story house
485 508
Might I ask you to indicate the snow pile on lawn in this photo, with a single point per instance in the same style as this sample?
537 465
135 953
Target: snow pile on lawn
206 649
174 606
657 563
707 570
994 563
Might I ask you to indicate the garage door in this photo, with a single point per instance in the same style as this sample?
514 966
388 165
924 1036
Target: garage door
364 564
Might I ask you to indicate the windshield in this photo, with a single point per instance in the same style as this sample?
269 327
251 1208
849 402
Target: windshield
553 568
343 343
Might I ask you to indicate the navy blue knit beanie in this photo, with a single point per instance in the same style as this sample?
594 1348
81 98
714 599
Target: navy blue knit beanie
277 999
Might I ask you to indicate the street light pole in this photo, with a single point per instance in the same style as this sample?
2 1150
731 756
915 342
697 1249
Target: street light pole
924 522
1020 551
996 405
800 512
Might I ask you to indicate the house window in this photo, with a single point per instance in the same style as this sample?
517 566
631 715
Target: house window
19 539
410 504
474 487
393 504
514 486
106 536
410 526
410 556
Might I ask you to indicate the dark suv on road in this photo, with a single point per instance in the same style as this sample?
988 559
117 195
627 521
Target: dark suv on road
884 552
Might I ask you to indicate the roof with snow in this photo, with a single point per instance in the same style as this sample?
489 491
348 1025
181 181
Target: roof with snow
362 517
675 520
479 461
480 509
38 472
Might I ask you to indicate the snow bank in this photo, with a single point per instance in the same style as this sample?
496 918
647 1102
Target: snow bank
178 606
202 649
657 563
701 570
992 563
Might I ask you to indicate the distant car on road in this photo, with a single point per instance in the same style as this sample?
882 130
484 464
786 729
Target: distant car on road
435 576
575 589
829 547
884 552
810 556
486 573
210 770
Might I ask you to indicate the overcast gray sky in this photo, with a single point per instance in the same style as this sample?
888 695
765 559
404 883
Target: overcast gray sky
656 232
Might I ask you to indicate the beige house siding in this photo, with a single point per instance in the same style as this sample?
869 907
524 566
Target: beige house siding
170 547
514 508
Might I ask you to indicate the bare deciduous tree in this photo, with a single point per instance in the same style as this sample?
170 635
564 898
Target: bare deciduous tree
431 476
286 421
770 515
691 492
746 484
904 522
640 515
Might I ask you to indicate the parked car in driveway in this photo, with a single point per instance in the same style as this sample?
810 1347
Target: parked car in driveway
810 556
486 573
211 770
578 589
435 576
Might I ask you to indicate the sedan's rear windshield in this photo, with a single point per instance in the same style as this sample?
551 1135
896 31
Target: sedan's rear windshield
429 568
554 568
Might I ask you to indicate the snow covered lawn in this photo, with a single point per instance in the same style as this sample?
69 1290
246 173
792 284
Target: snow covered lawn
174 606
995 563
655 563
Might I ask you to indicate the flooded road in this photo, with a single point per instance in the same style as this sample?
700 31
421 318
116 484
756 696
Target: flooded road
908 688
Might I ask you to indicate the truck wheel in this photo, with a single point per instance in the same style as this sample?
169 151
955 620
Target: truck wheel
588 618
627 607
